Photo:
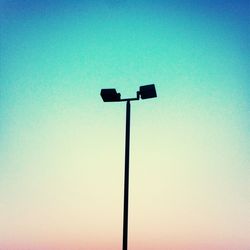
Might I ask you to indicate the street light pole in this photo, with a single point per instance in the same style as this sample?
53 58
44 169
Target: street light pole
126 179
110 95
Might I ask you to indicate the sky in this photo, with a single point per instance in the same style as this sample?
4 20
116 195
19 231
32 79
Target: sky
62 148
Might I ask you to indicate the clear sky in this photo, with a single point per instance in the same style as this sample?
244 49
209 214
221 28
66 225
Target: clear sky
62 148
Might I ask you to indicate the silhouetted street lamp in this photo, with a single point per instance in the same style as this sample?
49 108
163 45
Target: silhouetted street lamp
110 95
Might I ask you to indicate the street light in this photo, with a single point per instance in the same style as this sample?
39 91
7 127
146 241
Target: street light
111 95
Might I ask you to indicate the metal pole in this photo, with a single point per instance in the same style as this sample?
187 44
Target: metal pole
126 179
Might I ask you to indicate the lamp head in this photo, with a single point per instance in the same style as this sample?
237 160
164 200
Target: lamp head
110 95
147 91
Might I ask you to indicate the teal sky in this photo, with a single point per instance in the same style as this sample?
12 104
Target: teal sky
62 148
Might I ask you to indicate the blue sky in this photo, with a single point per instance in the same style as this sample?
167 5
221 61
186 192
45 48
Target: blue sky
62 148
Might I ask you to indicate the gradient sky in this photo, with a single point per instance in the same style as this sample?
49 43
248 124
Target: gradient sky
62 148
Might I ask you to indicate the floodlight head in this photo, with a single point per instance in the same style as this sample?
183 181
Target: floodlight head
110 95
147 91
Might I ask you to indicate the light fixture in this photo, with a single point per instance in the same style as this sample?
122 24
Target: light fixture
111 95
